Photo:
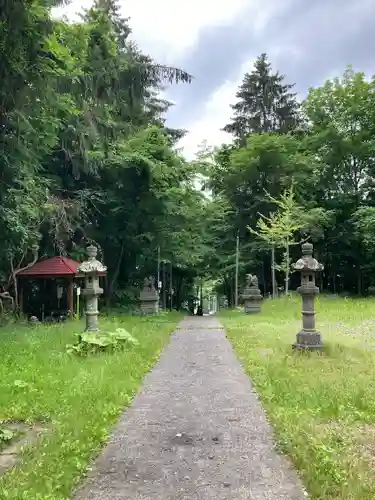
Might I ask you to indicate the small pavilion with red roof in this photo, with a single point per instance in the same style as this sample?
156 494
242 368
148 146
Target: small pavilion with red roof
47 287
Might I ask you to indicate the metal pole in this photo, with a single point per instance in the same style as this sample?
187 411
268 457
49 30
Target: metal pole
237 265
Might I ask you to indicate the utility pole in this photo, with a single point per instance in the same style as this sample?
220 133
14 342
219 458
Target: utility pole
273 272
171 288
164 288
237 266
158 268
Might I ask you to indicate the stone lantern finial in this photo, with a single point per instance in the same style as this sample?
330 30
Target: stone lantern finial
308 337
92 252
307 248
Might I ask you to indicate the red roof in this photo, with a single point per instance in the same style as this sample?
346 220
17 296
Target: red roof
57 266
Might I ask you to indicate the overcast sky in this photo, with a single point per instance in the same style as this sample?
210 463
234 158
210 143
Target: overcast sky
217 41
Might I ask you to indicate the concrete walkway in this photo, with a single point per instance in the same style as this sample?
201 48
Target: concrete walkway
196 431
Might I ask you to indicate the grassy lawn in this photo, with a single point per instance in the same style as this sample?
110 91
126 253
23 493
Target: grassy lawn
322 406
77 399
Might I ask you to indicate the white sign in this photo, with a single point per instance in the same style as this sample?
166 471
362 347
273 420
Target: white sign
160 284
78 290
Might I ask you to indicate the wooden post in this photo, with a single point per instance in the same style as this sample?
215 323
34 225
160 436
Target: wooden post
70 296
78 311
43 297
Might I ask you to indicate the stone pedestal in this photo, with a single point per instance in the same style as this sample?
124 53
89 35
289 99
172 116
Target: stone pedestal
91 269
251 295
308 338
149 298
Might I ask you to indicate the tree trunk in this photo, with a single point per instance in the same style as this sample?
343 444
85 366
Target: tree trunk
334 282
111 287
15 285
273 273
359 281
15 270
287 269
228 291
179 286
265 288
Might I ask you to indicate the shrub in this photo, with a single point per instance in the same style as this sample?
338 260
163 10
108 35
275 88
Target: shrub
95 342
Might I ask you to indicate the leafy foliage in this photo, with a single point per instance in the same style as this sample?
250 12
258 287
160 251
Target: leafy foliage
85 154
327 155
6 435
93 343
279 229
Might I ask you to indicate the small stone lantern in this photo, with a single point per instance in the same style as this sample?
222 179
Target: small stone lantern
308 337
91 269
149 297
251 295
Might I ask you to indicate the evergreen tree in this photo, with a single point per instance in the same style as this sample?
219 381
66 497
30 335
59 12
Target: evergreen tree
265 103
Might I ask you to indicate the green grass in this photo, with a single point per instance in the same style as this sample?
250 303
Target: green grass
78 399
322 406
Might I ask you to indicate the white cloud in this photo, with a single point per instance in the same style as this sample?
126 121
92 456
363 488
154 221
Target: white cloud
72 10
217 111
215 114
166 29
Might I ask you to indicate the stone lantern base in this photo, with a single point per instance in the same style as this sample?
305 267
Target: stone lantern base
308 341
252 300
149 303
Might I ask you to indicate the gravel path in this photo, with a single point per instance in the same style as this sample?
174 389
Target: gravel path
196 431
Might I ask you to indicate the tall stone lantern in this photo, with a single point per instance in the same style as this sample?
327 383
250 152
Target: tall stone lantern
308 337
149 297
251 295
91 268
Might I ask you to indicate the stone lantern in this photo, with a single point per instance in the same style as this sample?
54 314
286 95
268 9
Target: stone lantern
251 295
308 337
91 268
149 297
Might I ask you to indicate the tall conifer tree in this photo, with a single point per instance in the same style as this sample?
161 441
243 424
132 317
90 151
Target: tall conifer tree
264 103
